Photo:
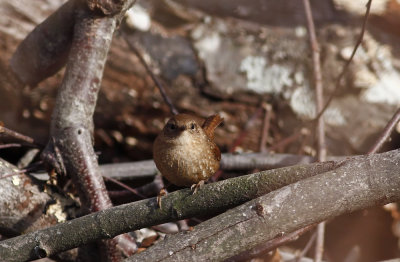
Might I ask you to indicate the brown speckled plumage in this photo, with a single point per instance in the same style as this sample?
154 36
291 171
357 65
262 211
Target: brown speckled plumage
185 152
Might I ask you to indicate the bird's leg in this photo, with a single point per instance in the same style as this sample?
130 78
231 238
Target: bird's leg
196 187
163 192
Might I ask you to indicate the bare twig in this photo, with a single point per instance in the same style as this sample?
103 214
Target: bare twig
265 131
19 136
158 83
132 190
33 167
287 140
317 79
270 245
345 68
307 247
385 133
321 149
10 145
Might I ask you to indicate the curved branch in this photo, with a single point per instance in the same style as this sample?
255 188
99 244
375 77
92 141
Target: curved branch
356 184
211 198
45 50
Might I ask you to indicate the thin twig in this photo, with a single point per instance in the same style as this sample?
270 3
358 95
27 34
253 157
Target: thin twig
317 79
32 167
307 247
345 68
10 145
319 248
166 98
270 245
287 140
19 172
134 191
19 136
266 125
385 133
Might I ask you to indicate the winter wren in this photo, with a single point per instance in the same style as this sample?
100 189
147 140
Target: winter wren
185 152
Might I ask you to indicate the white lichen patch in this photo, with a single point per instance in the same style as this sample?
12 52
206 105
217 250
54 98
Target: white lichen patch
300 31
16 180
138 18
208 44
57 211
302 103
265 79
364 78
333 116
357 7
386 90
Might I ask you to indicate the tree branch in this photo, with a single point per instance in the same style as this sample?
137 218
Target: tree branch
45 50
178 205
358 183
158 83
70 148
320 128
346 66
385 133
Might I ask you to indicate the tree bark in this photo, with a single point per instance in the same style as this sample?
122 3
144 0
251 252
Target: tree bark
356 184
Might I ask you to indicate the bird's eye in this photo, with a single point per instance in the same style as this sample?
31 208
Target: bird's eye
192 126
171 126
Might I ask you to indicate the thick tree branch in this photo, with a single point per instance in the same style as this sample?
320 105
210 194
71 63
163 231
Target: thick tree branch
181 204
70 148
72 121
45 50
356 184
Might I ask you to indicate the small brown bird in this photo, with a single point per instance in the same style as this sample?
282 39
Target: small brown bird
185 152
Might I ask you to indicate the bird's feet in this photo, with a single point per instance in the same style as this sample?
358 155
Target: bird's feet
163 192
196 187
